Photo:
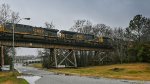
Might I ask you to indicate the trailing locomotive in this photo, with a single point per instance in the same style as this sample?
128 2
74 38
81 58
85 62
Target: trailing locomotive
86 38
68 37
80 37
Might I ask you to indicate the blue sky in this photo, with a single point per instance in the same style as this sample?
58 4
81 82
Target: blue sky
114 13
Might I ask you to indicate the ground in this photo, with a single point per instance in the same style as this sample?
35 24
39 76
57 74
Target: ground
43 76
134 71
11 78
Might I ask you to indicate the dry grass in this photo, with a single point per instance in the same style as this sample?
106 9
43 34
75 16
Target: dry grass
135 71
11 78
125 71
37 65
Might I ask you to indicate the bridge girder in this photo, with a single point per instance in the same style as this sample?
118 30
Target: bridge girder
48 46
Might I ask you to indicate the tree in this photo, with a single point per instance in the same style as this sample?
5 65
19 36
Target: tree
49 25
146 34
7 16
137 27
99 29
45 53
4 13
82 26
120 44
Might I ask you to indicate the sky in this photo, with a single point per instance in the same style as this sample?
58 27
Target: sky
63 13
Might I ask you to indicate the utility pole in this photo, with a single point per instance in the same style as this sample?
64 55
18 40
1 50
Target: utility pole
13 44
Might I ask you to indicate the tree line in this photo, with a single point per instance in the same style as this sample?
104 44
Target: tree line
131 44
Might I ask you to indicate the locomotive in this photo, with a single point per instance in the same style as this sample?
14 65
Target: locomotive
27 30
30 32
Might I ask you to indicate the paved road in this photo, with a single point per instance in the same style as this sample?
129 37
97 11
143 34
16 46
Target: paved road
51 78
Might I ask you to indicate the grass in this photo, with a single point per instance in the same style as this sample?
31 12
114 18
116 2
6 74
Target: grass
11 78
36 65
135 71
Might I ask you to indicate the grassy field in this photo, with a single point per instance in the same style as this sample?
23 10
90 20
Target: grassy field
11 78
135 71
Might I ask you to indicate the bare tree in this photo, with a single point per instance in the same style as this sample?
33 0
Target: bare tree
99 29
82 26
14 17
7 16
119 42
45 53
4 13
49 25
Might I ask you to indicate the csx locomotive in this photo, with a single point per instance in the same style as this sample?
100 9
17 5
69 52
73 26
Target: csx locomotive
35 33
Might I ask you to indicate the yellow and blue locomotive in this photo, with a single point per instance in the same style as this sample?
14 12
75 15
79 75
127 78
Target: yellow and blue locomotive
26 31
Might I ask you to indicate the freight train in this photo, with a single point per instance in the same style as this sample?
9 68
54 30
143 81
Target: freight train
68 37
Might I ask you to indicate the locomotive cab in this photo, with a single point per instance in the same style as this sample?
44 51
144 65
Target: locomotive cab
67 35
